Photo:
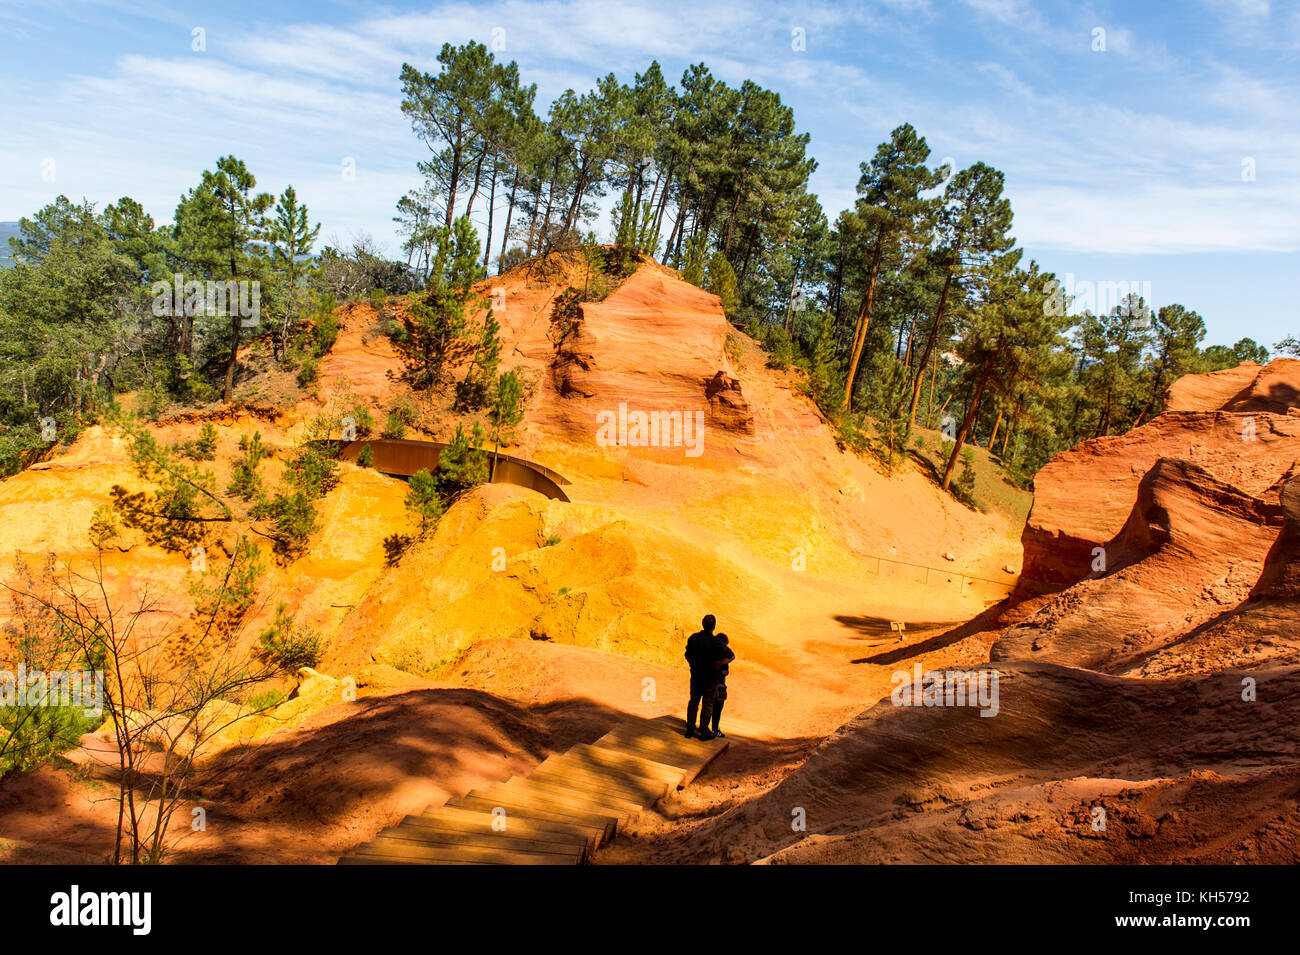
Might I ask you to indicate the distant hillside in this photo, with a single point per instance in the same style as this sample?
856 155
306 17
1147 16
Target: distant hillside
7 229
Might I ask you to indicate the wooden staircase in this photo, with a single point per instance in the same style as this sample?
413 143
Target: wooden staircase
560 813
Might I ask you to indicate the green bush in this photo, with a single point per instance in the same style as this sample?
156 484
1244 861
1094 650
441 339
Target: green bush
267 700
245 481
288 646
423 499
312 472
364 421
31 735
366 457
309 373
394 427
294 519
325 327
402 415
462 465
202 448
965 483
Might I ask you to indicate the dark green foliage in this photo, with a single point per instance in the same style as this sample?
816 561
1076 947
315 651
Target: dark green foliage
424 499
288 646
507 408
965 485
204 447
312 468
366 456
223 592
463 464
245 477
176 513
308 372
293 521
36 733
720 279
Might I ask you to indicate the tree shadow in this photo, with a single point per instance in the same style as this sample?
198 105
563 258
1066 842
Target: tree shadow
945 638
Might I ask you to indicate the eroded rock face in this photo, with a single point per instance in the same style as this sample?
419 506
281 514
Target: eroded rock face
1240 425
1212 391
1192 548
729 408
1281 577
656 344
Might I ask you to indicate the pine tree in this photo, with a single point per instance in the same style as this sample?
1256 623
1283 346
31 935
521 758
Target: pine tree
433 334
889 212
290 240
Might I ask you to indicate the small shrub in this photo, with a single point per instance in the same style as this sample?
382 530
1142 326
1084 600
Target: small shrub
402 415
394 426
325 328
267 700
204 447
423 499
288 646
965 483
245 481
366 456
363 420
311 472
309 373
294 519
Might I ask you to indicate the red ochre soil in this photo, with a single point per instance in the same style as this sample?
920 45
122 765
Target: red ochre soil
524 625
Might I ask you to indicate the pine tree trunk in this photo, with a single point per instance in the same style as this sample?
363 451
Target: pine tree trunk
994 436
478 176
492 201
860 328
229 388
452 184
967 420
510 211
929 343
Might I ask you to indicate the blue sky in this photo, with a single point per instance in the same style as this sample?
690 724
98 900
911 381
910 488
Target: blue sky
1122 164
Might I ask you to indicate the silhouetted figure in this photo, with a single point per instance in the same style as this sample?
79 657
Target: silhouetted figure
706 655
720 695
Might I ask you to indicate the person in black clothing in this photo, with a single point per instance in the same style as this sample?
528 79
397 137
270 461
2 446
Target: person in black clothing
720 695
706 654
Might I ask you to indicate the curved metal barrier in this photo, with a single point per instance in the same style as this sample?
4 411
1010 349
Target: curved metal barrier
404 457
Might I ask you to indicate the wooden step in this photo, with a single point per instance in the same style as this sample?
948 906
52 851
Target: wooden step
590 786
562 799
389 846
519 806
560 813
420 828
628 760
691 756
428 835
584 793
516 823
580 799
608 777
